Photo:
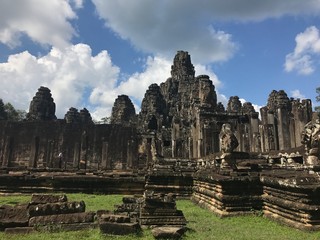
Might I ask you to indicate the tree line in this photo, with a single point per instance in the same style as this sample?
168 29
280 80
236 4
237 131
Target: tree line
9 113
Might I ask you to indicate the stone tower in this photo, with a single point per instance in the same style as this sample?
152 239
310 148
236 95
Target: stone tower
173 111
283 120
42 106
123 111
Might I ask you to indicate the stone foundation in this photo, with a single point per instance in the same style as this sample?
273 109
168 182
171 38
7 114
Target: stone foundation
292 198
228 195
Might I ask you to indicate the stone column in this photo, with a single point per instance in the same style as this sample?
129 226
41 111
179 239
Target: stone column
76 155
129 154
254 141
34 152
8 150
174 148
49 154
105 163
199 148
283 129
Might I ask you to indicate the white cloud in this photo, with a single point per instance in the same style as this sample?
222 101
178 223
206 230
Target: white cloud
45 22
78 3
297 94
72 74
307 48
157 70
166 26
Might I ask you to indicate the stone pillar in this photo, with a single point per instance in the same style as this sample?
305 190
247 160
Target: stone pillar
129 154
190 148
7 153
293 133
255 135
76 155
283 129
84 150
49 154
34 152
272 133
216 145
199 150
105 163
174 148
262 138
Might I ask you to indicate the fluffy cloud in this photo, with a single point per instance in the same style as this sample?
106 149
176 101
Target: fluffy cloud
45 22
307 47
72 74
166 26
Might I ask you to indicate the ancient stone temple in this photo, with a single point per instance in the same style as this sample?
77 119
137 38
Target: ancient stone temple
181 118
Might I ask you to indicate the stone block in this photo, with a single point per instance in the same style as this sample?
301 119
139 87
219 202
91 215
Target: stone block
168 232
67 227
83 217
56 208
47 198
119 228
13 216
117 218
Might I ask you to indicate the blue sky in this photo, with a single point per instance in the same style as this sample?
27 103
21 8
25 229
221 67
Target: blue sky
90 51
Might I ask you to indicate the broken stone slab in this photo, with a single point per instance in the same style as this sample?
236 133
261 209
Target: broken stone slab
56 208
67 227
19 230
117 218
47 198
162 220
82 217
13 216
129 200
101 212
168 232
119 228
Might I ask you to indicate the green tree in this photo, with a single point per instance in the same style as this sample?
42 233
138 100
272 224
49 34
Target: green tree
3 114
14 114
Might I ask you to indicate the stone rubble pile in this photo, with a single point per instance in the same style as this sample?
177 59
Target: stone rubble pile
45 212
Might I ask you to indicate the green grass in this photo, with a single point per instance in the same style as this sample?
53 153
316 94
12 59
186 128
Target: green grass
202 223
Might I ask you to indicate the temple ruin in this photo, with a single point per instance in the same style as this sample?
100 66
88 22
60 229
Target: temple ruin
182 142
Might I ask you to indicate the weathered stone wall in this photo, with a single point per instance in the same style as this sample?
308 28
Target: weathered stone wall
37 144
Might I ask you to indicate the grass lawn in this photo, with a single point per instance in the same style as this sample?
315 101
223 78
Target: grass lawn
202 223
